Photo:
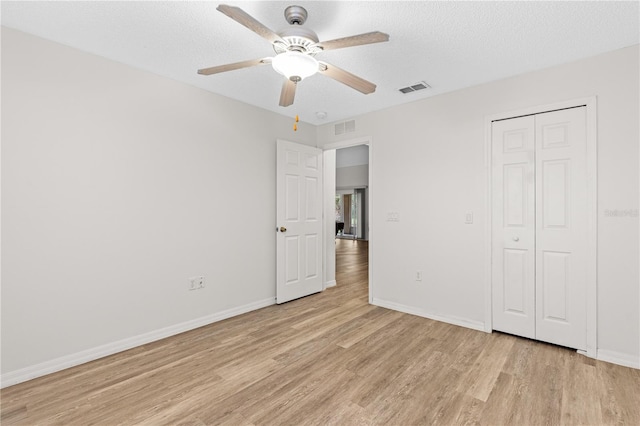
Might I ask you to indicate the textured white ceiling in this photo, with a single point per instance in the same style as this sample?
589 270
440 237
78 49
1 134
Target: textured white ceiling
450 45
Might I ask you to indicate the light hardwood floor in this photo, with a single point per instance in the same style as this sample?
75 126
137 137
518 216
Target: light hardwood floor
331 358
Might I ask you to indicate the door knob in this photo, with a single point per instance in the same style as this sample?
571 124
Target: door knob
283 229
514 238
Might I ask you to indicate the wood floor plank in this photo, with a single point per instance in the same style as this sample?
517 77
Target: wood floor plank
403 399
620 393
369 326
332 359
581 395
481 377
498 409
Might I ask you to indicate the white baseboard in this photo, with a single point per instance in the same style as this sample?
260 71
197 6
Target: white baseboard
331 283
462 322
626 360
48 367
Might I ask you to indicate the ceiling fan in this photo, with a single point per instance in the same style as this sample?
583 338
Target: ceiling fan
295 49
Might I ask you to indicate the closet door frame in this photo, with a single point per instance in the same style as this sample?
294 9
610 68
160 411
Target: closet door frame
590 103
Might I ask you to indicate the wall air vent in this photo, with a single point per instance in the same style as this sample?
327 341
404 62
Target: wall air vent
350 126
415 87
345 127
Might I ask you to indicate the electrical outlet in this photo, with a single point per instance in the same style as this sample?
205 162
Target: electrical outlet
196 283
418 275
192 283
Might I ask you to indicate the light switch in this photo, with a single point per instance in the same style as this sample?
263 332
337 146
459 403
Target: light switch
468 217
393 217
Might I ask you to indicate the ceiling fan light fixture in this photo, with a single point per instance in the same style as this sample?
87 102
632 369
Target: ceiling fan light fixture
295 48
295 66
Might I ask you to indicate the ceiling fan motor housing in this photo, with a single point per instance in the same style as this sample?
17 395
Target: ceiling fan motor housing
294 57
295 15
297 39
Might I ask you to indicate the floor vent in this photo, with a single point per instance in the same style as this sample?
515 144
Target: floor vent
345 127
415 87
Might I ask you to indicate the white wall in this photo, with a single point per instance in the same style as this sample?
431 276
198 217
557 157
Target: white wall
352 177
118 185
429 167
352 156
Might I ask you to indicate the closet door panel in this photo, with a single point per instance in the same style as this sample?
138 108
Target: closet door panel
513 223
561 227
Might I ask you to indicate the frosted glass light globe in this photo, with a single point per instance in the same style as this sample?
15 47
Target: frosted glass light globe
295 64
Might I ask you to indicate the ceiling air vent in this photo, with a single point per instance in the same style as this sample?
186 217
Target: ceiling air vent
415 87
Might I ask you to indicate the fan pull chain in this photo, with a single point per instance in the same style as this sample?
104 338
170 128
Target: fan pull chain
295 125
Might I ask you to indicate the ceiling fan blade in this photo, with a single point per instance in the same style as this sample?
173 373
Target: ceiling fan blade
250 22
345 77
356 40
288 92
234 66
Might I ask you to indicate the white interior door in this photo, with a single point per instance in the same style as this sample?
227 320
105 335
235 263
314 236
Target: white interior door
539 227
513 226
561 227
299 221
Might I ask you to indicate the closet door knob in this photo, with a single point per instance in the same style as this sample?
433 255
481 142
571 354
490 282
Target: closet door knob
516 239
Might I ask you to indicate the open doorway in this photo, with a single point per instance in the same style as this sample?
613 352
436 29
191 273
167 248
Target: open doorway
352 183
351 214
348 203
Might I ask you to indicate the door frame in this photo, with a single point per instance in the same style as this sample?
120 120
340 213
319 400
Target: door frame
330 221
592 209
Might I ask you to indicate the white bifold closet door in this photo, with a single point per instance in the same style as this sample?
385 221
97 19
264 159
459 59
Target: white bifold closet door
539 226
